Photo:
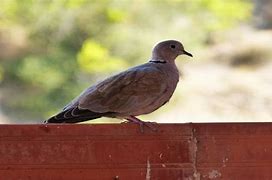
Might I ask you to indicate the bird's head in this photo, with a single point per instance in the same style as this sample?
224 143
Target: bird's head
168 50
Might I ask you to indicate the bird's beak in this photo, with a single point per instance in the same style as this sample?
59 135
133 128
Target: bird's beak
187 53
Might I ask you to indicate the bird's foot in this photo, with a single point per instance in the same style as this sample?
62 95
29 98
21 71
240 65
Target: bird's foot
150 125
142 123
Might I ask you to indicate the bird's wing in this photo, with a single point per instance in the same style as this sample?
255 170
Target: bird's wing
134 88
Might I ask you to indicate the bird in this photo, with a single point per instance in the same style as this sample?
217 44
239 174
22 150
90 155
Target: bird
136 91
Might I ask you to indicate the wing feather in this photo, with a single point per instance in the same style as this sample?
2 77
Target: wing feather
135 88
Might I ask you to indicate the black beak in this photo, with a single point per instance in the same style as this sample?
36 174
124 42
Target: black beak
187 53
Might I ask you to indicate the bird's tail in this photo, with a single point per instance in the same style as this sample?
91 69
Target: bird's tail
74 115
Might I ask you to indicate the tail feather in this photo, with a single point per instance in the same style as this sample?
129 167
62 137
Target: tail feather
74 115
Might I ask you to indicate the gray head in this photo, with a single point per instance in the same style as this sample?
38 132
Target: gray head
168 51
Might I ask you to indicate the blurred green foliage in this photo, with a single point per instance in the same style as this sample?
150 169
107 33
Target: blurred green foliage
52 49
94 58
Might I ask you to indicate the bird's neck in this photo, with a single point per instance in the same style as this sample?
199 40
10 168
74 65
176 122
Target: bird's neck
162 58
161 61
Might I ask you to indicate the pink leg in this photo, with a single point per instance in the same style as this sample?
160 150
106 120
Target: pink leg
141 123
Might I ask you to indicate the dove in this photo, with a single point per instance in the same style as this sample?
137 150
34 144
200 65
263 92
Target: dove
139 90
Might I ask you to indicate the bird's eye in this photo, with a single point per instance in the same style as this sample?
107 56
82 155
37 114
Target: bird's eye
173 46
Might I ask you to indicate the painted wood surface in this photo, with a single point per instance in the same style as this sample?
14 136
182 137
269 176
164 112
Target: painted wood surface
120 151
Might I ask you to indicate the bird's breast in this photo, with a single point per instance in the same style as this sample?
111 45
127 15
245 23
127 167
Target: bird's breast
169 81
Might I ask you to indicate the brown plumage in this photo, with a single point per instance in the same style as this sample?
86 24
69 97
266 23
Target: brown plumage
136 91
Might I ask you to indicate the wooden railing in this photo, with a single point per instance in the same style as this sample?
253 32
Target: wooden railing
120 151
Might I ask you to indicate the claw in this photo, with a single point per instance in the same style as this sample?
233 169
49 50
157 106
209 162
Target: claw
151 125
142 123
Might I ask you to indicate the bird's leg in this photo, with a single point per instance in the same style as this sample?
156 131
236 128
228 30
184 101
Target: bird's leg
137 121
141 123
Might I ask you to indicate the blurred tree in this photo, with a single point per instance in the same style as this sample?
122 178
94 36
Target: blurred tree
263 14
50 50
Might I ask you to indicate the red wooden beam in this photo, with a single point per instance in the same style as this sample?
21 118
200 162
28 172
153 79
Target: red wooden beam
120 151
